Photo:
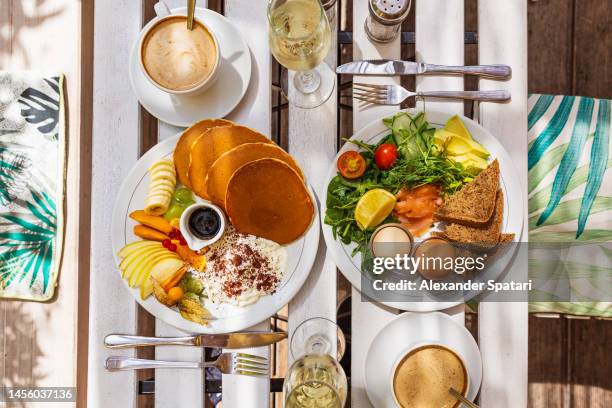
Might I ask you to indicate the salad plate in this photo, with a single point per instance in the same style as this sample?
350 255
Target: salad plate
347 255
224 317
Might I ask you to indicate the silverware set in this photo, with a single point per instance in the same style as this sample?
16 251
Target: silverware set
396 94
228 363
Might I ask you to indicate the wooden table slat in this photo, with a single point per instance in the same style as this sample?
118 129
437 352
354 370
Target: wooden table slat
184 388
312 141
503 326
115 150
255 111
367 318
441 43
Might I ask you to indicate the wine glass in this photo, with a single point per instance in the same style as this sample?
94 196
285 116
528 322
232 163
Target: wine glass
316 379
300 37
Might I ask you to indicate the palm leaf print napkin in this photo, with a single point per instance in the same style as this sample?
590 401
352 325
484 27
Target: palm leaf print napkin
570 202
32 172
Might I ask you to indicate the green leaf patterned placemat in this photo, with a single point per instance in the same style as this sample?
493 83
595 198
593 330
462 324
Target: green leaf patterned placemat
570 200
32 182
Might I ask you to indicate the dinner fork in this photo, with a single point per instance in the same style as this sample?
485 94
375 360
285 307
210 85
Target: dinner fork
227 363
396 94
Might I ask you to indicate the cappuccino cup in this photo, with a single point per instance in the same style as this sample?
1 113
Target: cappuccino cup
423 375
175 59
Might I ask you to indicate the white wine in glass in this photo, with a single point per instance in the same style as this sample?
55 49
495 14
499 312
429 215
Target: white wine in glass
315 380
300 38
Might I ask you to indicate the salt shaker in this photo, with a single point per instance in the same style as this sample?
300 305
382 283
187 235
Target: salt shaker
385 20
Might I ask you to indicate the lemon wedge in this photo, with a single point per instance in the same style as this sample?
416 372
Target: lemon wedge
373 207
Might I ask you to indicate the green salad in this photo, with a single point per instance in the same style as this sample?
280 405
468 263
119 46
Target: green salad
421 156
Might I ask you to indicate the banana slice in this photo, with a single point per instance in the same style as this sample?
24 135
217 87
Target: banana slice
163 182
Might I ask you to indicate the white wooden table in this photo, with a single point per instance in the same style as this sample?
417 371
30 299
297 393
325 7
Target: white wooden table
312 140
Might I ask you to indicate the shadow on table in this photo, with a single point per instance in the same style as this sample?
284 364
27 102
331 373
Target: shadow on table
20 348
15 16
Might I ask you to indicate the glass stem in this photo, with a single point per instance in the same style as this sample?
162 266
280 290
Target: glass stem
307 81
319 344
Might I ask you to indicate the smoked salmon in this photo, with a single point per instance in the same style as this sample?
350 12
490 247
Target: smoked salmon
415 207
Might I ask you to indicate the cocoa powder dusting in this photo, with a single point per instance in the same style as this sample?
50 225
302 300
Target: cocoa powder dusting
241 266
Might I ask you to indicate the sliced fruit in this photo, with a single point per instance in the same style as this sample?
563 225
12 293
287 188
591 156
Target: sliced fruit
455 125
459 146
147 287
138 259
160 272
153 221
174 279
132 266
144 271
373 207
149 233
165 269
127 264
132 246
442 137
455 145
139 253
197 261
163 182
471 162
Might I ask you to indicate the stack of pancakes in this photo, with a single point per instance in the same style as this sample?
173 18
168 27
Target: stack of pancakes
258 184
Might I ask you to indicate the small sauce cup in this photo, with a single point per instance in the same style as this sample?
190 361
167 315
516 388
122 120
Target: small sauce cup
193 240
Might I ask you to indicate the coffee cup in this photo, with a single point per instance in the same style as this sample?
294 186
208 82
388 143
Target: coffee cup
434 369
177 60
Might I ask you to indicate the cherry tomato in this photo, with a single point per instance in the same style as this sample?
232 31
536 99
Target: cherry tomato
351 165
385 156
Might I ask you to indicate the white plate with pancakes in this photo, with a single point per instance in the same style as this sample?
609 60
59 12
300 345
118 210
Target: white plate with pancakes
226 317
392 349
220 98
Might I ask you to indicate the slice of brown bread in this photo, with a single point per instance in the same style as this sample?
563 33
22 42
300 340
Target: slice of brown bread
503 238
473 205
486 236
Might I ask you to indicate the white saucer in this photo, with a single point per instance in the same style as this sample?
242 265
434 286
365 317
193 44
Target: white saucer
218 100
410 330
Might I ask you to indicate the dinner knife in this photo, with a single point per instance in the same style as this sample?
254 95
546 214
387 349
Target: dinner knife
384 67
229 341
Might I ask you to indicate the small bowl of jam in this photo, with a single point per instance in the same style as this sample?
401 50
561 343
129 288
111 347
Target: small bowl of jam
202 224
